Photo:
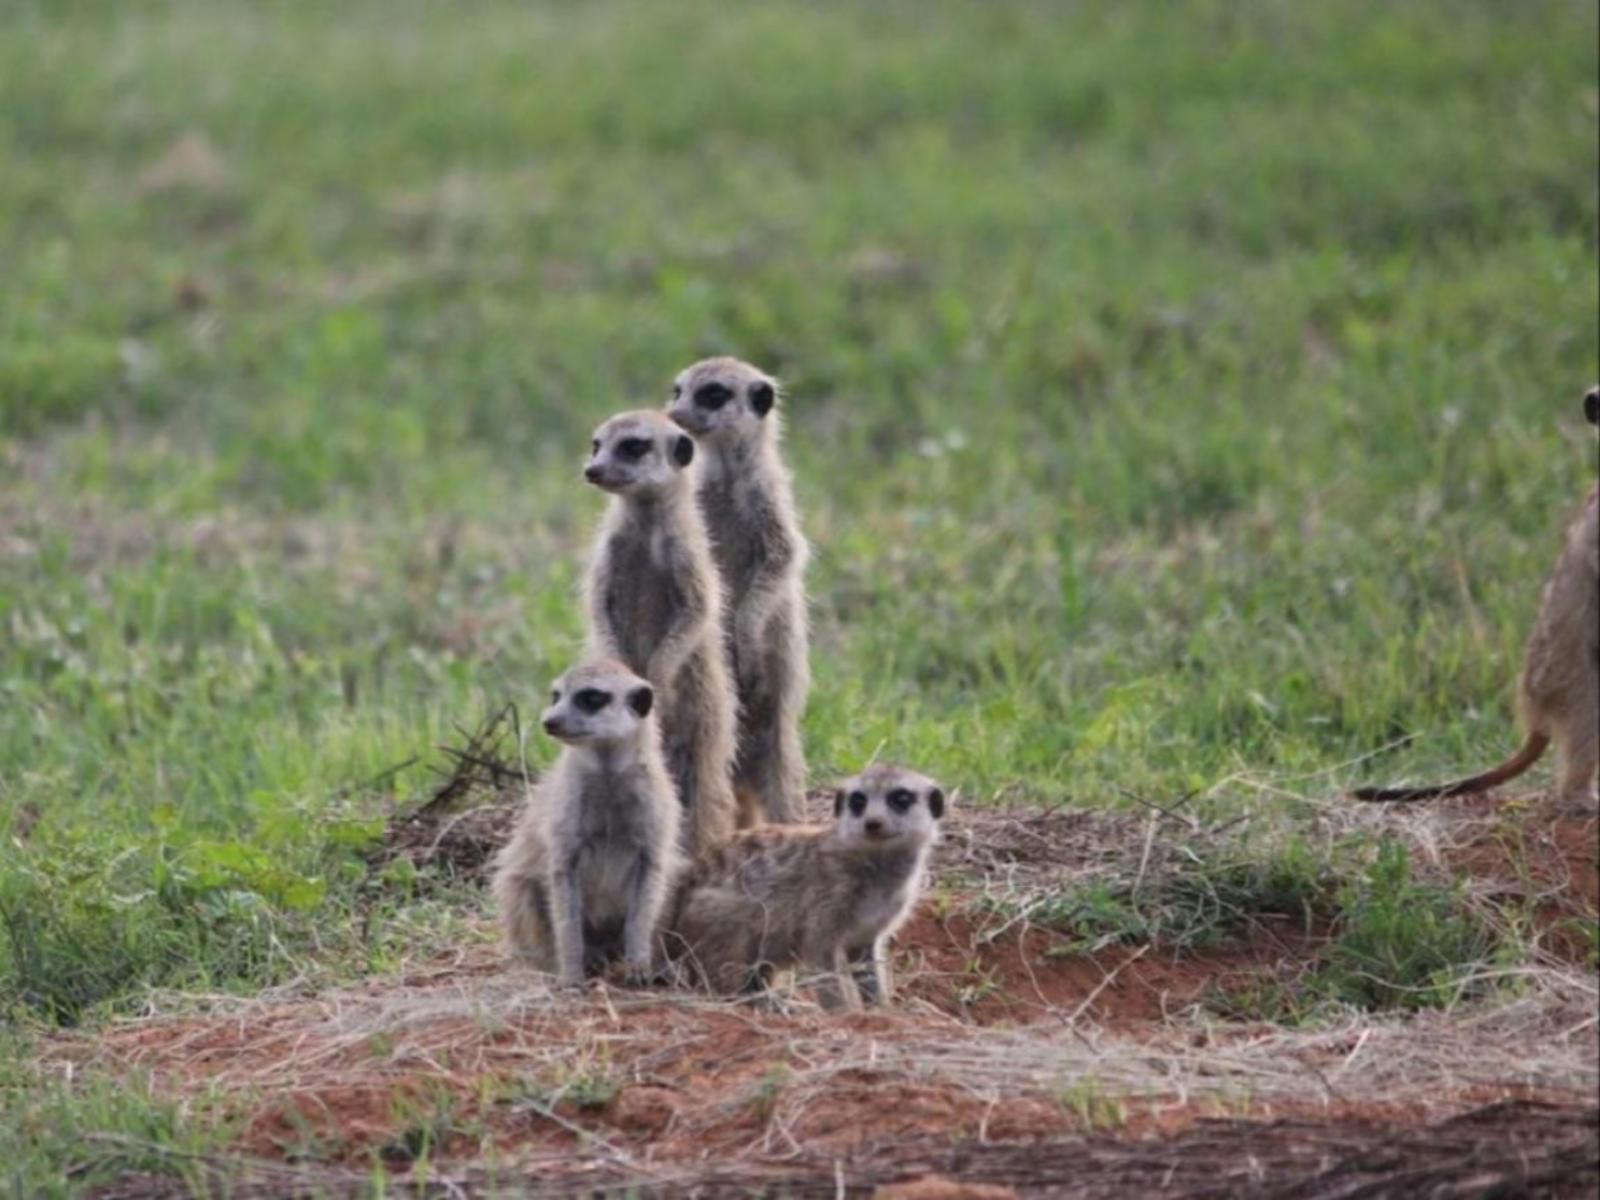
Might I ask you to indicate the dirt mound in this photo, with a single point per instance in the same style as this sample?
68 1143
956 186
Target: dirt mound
1003 1038
1517 857
1018 1056
1551 866
1019 972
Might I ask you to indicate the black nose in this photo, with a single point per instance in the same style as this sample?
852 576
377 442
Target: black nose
874 826
552 725
591 473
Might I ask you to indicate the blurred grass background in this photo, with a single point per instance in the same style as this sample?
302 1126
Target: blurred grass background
1178 393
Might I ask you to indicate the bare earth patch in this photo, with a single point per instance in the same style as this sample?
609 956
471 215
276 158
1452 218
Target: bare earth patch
1014 1059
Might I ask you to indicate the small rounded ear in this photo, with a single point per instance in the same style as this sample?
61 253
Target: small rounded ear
936 802
640 699
762 397
1591 406
838 802
683 450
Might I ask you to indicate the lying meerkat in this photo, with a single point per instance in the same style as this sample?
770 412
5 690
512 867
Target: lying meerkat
586 875
747 498
655 603
824 899
1559 693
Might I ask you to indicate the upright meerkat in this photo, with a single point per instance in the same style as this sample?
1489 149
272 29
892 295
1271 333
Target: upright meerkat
1559 694
655 603
825 899
587 873
747 498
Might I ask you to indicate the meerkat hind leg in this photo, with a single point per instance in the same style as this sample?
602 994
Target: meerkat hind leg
1580 758
526 918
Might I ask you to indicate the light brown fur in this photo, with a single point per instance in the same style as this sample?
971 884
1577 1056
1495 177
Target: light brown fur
655 602
824 899
747 498
1559 693
585 879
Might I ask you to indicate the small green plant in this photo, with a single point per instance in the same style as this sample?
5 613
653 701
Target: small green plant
1214 898
1088 1101
424 1120
1398 943
982 982
769 1091
1401 943
592 1085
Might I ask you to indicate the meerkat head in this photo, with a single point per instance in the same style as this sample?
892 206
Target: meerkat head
1591 406
638 452
889 806
598 701
723 397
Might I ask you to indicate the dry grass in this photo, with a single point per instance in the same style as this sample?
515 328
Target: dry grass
669 1090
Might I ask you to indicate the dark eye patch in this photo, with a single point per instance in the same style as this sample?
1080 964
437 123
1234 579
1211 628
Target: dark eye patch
713 395
901 800
858 803
633 448
591 700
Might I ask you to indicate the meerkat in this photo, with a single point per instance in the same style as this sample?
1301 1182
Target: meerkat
585 879
1559 693
655 603
825 899
747 498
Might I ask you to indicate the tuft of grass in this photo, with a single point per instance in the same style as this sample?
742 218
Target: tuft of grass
1095 1109
1398 943
1217 895
62 1138
1402 943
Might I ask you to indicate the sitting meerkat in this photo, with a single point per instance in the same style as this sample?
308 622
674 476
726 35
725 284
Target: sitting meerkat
1559 693
655 603
587 873
825 899
747 498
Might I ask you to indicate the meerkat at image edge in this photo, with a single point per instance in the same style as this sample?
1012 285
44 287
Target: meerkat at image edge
587 873
747 499
655 602
824 899
1559 692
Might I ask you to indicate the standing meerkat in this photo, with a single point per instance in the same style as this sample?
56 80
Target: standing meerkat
826 899
747 498
1559 693
585 878
655 603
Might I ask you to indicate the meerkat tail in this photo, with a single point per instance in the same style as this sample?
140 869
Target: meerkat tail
1494 777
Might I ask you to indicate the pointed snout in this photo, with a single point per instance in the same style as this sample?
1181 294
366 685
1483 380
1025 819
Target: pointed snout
688 418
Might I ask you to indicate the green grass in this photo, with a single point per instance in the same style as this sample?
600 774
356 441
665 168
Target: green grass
1178 393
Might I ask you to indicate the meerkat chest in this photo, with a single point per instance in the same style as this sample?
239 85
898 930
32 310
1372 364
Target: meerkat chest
881 891
642 594
737 513
877 909
613 832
